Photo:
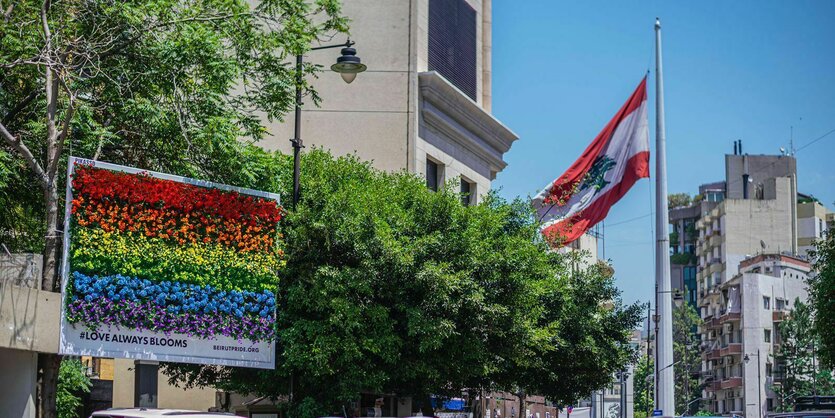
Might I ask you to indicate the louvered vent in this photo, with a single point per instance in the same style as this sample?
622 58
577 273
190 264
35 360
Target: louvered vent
452 43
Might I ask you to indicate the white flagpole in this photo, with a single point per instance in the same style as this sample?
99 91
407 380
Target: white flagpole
665 386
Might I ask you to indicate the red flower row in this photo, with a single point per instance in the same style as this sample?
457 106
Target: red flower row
100 184
173 225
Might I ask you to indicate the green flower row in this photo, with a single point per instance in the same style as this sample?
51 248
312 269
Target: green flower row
95 251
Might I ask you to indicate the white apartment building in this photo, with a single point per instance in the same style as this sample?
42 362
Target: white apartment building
752 265
741 334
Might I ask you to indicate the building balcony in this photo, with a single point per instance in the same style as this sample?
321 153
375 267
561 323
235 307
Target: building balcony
730 349
713 386
711 322
778 316
731 382
730 317
716 266
715 239
713 354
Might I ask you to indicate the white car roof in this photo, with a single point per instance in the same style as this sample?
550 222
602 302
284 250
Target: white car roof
155 413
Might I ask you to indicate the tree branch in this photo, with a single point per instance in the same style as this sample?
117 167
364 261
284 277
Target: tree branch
52 164
150 29
7 15
20 106
24 152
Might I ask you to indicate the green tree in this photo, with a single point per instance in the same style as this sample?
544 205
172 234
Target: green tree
687 359
171 85
644 387
822 292
392 288
71 381
798 375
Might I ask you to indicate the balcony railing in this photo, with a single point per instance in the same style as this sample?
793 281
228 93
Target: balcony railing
778 316
731 382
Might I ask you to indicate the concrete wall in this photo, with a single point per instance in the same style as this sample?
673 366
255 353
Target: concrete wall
749 222
29 318
18 369
760 168
371 115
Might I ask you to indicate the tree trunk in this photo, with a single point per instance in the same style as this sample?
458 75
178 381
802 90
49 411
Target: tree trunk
49 363
523 412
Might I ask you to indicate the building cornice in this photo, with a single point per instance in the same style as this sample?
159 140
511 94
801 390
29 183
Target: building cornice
449 111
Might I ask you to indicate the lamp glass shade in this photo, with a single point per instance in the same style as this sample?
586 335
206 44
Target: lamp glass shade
348 77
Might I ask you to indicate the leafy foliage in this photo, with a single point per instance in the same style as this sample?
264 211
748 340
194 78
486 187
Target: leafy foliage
678 200
168 85
687 359
392 288
71 381
822 292
798 374
683 259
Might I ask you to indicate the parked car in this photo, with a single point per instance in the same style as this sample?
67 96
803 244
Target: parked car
155 413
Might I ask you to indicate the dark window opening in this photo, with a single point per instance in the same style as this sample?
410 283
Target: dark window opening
452 43
466 192
432 175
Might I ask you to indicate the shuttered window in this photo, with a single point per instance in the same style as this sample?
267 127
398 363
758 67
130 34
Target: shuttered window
452 43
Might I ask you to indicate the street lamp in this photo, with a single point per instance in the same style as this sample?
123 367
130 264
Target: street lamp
759 383
348 65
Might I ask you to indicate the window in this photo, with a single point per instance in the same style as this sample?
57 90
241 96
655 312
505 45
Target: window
452 43
467 197
766 302
769 404
779 304
767 335
432 175
769 369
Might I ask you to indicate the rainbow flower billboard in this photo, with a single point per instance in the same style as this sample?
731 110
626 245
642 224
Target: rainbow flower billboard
161 267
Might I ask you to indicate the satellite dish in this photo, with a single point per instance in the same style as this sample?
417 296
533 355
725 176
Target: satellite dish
762 244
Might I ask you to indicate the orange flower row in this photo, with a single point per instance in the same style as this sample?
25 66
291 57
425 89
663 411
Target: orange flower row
170 224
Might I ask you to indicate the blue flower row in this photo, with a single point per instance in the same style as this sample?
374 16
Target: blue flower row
173 296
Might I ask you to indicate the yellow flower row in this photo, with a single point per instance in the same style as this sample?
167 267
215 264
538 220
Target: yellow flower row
95 251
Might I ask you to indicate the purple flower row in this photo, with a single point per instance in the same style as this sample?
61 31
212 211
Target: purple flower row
149 316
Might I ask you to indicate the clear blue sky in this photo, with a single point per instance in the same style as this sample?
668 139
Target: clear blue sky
733 70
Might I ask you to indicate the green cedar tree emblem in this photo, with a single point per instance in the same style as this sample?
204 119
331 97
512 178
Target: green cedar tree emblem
595 176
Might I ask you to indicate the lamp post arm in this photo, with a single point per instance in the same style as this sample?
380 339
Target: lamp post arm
347 44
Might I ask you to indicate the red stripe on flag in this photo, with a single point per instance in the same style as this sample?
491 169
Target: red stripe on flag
563 187
565 232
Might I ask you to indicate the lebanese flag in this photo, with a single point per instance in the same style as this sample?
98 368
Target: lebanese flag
581 197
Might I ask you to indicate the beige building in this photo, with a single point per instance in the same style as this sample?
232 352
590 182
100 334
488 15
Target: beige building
813 221
423 104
